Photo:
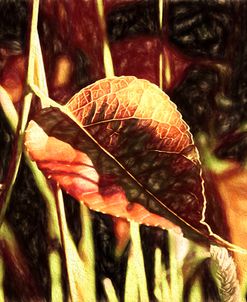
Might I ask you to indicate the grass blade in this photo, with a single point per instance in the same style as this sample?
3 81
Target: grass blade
2 270
53 225
131 284
86 251
77 274
176 276
161 9
39 72
162 290
166 291
158 274
196 292
110 291
107 58
16 159
9 109
139 261
24 118
56 273
33 44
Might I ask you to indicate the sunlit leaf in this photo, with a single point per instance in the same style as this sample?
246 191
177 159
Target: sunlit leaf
122 148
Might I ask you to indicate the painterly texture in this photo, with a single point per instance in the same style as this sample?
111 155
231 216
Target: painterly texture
203 52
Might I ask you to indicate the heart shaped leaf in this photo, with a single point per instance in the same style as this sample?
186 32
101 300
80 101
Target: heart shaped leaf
122 148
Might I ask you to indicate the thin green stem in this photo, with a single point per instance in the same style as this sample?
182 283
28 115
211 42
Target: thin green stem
36 74
107 58
110 291
139 261
176 279
39 74
162 290
166 291
47 194
33 40
158 274
9 109
161 8
78 273
2 271
25 113
86 250
53 225
131 284
53 230
18 156
196 292
67 245
56 273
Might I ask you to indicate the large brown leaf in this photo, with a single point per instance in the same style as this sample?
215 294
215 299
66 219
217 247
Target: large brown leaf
121 146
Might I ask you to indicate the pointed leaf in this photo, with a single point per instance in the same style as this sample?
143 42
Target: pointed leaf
137 154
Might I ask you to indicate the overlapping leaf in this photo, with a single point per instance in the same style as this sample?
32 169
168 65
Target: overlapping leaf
123 149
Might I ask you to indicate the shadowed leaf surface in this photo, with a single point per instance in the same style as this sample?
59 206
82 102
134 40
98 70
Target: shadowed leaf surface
133 156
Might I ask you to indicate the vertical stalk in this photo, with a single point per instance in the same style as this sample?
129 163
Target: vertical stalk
131 284
56 273
40 180
24 118
176 279
107 58
86 250
8 109
158 274
110 291
196 293
161 8
139 261
53 231
36 74
66 241
2 270
77 275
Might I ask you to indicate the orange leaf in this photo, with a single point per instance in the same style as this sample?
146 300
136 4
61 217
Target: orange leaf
122 148
75 173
